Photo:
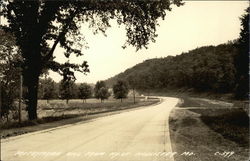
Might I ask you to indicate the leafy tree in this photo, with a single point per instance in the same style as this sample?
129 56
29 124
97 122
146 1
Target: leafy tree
242 59
9 72
101 91
48 89
66 90
132 84
120 90
98 86
40 26
85 91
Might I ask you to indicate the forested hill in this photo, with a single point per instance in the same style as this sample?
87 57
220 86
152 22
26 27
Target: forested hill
209 68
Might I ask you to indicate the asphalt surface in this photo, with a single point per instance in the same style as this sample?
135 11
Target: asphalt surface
139 135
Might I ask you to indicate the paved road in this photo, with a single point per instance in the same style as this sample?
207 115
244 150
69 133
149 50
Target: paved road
139 135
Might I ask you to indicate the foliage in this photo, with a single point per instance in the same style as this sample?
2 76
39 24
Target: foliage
101 91
120 90
67 89
98 86
242 59
9 72
47 89
209 68
40 26
85 91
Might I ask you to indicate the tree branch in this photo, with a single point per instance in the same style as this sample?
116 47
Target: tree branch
60 36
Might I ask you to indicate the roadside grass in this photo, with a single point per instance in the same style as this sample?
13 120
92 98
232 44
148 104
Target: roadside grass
207 126
231 124
58 108
59 113
204 103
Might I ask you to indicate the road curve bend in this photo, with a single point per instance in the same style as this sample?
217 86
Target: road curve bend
137 135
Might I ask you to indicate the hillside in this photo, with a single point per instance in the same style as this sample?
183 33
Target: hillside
209 68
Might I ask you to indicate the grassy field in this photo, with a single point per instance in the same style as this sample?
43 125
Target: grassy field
57 108
211 129
61 113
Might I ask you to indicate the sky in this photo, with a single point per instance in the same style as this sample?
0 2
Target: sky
195 24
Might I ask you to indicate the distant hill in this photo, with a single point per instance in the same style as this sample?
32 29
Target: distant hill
208 68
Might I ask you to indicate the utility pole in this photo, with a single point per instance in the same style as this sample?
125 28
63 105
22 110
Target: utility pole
20 98
134 94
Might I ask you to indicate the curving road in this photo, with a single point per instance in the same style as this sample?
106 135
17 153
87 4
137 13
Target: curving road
138 135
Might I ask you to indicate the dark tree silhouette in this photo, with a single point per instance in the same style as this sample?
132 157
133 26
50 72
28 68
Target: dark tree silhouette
84 91
36 24
120 90
101 91
98 86
67 90
242 59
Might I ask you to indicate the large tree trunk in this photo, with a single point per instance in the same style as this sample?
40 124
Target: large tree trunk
32 86
32 70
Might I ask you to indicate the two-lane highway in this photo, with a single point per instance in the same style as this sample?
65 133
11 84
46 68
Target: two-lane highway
138 135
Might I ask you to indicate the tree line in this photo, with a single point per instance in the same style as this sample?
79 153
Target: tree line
202 69
219 69
48 90
205 69
66 90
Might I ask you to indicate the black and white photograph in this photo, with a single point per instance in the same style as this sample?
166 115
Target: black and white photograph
124 80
